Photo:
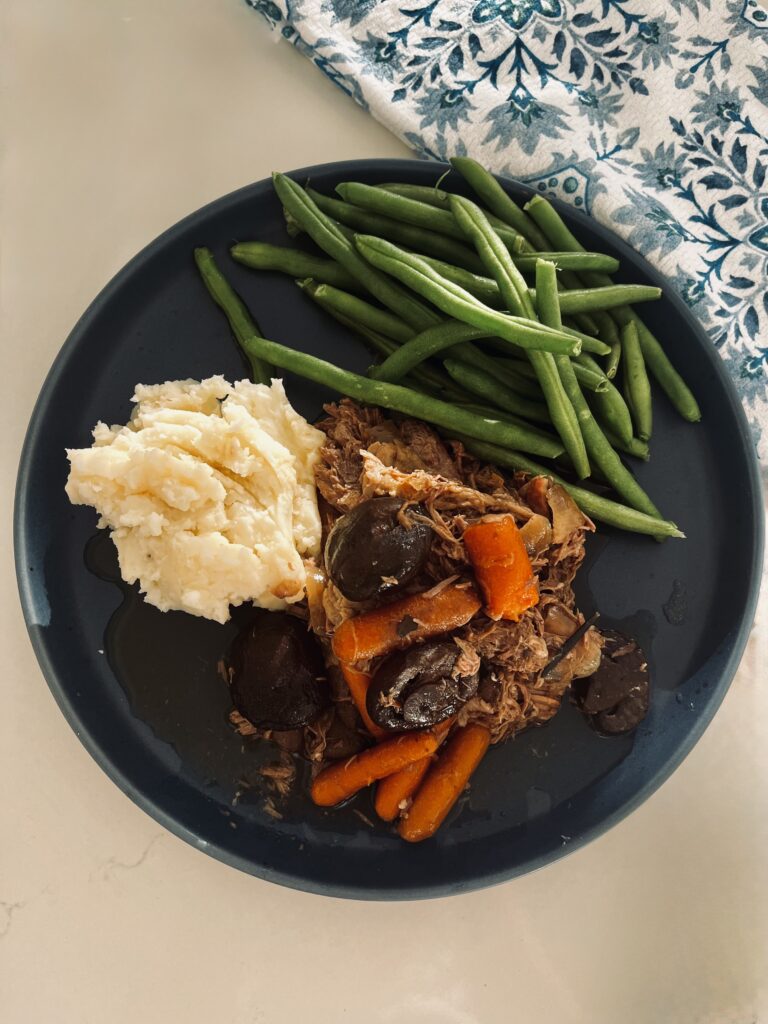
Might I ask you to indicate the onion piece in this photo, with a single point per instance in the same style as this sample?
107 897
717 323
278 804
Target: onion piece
567 517
536 534
316 583
559 621
585 659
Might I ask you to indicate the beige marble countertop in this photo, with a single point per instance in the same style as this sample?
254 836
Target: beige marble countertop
119 117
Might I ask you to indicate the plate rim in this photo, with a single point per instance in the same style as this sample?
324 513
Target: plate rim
300 882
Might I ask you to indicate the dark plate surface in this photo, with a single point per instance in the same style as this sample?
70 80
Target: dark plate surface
141 688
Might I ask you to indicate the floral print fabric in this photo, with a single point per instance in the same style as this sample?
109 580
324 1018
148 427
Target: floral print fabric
652 115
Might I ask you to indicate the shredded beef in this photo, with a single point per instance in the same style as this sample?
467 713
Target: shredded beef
367 454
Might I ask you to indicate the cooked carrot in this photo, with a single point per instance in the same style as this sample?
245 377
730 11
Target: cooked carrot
344 778
400 623
502 567
358 683
393 791
445 783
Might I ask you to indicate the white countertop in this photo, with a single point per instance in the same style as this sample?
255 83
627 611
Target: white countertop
120 117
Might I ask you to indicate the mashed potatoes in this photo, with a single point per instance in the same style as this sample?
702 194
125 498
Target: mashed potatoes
209 492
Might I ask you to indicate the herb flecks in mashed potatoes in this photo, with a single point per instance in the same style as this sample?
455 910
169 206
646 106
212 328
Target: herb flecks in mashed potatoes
209 493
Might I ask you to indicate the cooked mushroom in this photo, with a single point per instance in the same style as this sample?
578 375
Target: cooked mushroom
422 686
616 695
376 548
277 672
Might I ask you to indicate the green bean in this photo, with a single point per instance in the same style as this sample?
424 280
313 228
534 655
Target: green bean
409 210
656 359
457 337
520 376
423 346
400 399
451 335
610 335
548 308
546 296
613 360
296 262
487 291
494 256
552 226
563 260
470 353
588 360
567 260
516 244
421 377
612 412
226 298
570 280
483 288
419 239
363 312
639 449
594 505
607 330
609 405
636 381
328 236
590 345
669 380
399 207
580 299
430 194
441 199
416 370
455 302
507 417
589 342
585 321
438 197
482 384
592 380
496 199
606 459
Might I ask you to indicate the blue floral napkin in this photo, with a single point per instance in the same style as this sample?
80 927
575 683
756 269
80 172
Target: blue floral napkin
652 115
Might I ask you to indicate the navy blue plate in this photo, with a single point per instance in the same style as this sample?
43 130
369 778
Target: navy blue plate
141 688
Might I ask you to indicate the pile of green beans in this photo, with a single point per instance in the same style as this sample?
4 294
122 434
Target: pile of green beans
488 320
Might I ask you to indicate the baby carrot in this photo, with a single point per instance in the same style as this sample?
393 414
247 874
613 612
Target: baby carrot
394 791
344 778
502 567
399 623
445 783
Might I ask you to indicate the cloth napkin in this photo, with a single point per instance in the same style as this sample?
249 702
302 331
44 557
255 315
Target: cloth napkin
651 115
